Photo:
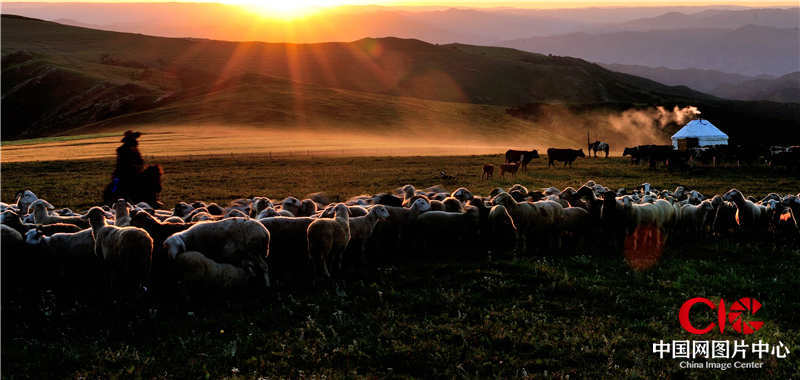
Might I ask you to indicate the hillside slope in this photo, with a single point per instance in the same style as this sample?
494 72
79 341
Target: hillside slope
57 77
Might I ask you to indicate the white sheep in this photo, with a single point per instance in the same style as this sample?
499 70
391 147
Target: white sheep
361 228
238 241
126 251
751 217
40 216
199 274
327 240
695 219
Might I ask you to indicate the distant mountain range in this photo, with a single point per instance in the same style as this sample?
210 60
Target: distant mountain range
748 50
56 78
745 41
725 85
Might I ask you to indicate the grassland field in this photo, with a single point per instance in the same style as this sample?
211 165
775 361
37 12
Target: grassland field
587 316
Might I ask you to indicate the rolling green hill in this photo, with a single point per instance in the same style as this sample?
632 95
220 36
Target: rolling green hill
59 78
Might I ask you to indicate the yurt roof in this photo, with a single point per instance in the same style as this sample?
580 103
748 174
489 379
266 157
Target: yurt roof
699 128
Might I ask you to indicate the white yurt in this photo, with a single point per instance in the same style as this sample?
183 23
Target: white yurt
702 131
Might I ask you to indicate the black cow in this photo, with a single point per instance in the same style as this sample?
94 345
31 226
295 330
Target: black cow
564 155
521 156
649 153
634 153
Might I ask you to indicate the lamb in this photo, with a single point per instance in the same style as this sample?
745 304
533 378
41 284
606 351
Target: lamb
327 240
39 210
238 241
361 228
200 275
126 251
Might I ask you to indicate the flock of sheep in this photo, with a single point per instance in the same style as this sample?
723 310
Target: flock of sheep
255 243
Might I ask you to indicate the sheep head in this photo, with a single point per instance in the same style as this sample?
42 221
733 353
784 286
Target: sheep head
340 211
174 245
733 195
291 204
34 236
380 211
25 198
307 208
96 217
462 194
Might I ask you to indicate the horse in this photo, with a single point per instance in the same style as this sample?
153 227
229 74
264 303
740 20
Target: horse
598 146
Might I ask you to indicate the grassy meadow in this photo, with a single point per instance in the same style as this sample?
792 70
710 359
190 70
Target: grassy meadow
589 315
222 178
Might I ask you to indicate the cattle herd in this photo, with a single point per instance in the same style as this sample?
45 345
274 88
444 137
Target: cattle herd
201 248
774 156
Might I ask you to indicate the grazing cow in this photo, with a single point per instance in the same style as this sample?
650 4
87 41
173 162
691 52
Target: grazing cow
650 153
521 155
598 146
564 155
634 153
488 171
656 153
510 168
